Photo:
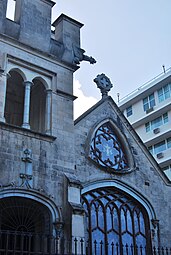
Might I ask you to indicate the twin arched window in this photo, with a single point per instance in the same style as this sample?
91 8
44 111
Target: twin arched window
16 102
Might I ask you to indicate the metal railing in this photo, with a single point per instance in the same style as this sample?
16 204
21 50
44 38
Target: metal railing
19 243
145 85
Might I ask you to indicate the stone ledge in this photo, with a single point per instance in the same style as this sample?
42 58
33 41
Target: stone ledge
27 132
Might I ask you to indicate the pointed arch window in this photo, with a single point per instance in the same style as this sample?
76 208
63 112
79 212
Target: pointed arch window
107 150
116 223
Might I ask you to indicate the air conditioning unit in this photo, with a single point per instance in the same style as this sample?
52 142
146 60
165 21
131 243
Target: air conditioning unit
156 130
149 110
160 155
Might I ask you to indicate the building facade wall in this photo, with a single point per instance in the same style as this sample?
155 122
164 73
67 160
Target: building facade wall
141 120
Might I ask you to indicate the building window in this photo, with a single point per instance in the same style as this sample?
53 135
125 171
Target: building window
167 171
148 102
147 126
169 143
150 148
129 111
164 93
157 122
159 147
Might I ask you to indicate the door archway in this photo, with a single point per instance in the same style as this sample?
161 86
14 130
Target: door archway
25 225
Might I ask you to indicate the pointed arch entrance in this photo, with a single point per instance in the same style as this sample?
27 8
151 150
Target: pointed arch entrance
116 222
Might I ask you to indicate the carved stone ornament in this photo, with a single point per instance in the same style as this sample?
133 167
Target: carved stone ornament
80 56
104 84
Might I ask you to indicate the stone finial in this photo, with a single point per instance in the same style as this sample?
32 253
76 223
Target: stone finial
104 84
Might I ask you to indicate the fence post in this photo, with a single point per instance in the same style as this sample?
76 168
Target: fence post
75 245
112 244
95 247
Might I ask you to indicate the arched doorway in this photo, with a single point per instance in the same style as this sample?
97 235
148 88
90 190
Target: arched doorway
116 223
25 226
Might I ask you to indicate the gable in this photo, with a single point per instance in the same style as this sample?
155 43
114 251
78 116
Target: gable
106 111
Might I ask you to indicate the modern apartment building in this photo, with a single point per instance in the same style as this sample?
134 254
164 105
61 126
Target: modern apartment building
148 109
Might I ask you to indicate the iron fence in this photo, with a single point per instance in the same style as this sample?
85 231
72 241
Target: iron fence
19 243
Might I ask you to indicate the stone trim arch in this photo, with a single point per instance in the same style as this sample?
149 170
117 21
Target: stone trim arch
18 70
36 196
120 135
127 189
39 78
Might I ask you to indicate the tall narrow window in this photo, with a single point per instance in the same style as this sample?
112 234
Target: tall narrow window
147 126
169 143
37 106
14 99
129 111
115 221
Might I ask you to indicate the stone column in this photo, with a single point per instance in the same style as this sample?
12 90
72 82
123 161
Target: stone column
27 85
48 111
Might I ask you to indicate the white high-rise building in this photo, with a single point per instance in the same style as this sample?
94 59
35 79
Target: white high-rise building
148 109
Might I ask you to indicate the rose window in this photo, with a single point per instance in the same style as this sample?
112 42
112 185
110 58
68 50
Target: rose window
107 150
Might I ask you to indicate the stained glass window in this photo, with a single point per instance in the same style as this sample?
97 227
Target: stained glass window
106 149
116 223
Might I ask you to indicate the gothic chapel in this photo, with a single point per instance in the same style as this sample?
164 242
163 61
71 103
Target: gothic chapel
81 187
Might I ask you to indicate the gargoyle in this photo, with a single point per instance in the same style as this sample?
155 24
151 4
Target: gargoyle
80 56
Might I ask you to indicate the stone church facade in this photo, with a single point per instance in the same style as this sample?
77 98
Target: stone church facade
87 186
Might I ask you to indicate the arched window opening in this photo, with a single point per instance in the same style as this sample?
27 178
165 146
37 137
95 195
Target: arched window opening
37 106
107 150
24 226
14 99
116 223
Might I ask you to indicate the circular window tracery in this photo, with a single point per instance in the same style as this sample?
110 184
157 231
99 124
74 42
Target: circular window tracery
107 150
